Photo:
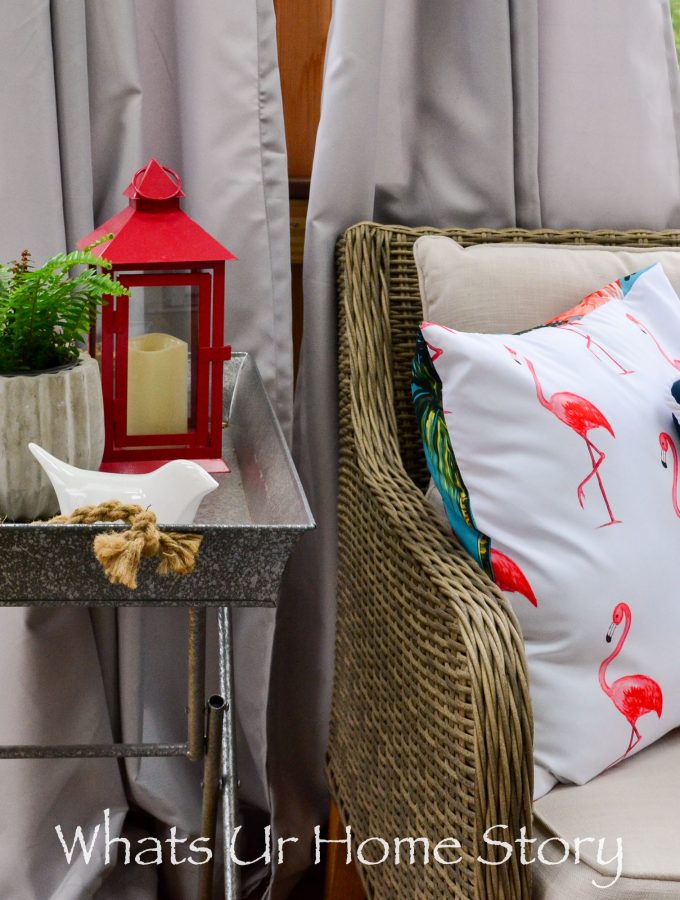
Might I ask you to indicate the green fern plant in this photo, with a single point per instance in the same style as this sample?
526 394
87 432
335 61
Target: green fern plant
46 312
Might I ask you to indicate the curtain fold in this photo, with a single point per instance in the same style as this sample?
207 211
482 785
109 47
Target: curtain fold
525 98
608 107
518 113
91 91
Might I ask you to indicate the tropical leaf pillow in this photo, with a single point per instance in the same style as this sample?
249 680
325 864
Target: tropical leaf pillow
557 462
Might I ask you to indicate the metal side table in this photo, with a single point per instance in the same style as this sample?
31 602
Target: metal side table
250 525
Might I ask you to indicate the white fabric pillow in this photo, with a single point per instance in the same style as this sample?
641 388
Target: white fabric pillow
547 450
508 287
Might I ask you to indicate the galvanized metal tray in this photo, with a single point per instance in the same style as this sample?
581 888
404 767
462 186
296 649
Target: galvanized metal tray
250 525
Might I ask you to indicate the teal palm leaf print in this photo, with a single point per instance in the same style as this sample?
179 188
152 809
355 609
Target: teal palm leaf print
427 400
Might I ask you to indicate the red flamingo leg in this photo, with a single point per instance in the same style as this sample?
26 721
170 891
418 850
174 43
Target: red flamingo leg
645 330
590 343
580 493
591 447
635 738
594 471
589 346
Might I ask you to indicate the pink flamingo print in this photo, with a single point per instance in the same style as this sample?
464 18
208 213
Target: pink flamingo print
632 695
444 327
569 321
436 351
573 327
509 577
581 416
591 302
667 443
645 330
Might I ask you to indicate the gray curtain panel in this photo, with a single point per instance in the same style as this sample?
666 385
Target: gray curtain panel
518 112
89 91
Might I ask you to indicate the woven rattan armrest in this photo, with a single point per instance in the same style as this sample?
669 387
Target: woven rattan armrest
431 725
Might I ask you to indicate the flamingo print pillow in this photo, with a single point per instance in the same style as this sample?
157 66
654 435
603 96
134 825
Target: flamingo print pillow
556 457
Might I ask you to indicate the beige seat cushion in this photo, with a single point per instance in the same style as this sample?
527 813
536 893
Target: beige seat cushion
638 801
509 287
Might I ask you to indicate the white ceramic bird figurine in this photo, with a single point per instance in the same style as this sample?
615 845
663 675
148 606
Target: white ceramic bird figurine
173 492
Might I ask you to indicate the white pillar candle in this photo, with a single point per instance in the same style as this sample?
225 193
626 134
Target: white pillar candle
158 372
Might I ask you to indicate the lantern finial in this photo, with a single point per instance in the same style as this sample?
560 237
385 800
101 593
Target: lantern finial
155 182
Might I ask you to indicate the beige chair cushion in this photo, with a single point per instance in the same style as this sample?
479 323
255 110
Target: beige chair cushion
639 802
509 287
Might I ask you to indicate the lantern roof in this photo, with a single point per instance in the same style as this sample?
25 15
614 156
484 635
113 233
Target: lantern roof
153 228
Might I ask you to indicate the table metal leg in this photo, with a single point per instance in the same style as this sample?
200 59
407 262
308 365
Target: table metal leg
229 781
211 789
196 686
218 751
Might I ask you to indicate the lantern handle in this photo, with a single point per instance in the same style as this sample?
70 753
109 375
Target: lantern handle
137 181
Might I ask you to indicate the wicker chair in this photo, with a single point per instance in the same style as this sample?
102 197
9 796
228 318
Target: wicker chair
431 730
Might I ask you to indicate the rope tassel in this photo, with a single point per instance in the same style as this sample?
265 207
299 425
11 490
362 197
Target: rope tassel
120 553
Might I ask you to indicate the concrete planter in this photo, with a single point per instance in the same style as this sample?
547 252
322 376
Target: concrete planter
63 412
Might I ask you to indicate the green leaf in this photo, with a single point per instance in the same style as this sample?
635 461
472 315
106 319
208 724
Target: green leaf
45 312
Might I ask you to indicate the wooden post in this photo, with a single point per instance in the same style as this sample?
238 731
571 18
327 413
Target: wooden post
342 879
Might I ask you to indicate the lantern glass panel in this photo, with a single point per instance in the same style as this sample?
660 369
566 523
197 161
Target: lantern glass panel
161 358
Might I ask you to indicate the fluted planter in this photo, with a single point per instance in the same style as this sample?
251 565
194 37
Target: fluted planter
63 412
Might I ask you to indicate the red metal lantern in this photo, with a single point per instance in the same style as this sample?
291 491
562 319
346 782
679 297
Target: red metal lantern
161 349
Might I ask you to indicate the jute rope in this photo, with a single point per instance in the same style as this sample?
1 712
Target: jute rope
120 553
